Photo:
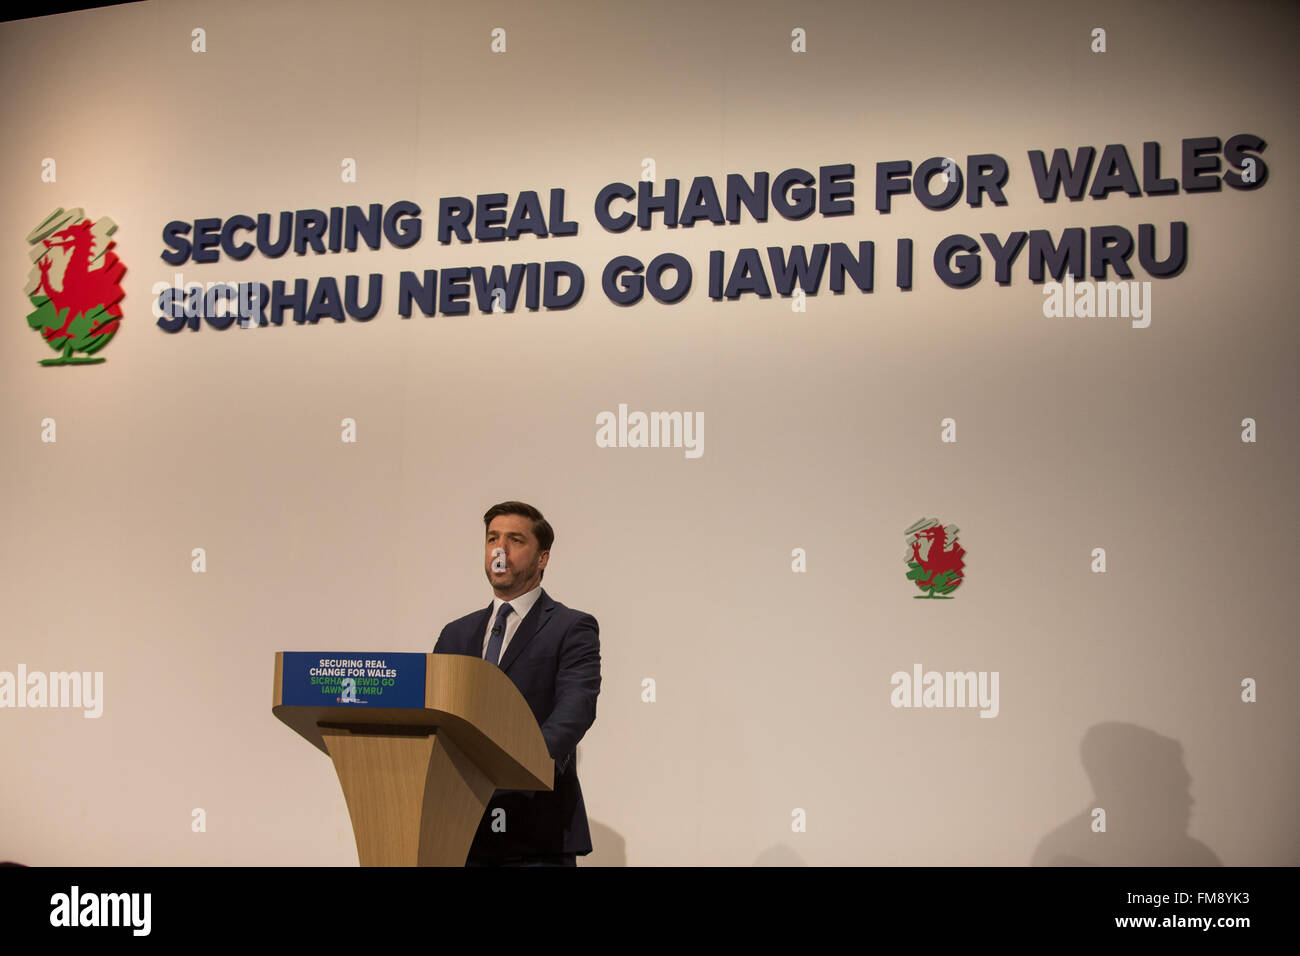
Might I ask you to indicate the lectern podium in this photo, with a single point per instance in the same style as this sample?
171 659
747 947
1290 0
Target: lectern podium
419 742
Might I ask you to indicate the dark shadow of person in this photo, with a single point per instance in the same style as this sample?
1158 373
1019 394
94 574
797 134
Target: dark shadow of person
608 846
778 854
1139 778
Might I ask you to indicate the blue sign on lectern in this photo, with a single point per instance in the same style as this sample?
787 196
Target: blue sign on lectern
352 679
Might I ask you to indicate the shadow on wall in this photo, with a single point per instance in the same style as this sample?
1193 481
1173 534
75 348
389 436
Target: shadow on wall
778 854
608 848
1139 779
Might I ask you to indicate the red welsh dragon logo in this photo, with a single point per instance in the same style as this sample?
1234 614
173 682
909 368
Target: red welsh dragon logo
73 285
939 569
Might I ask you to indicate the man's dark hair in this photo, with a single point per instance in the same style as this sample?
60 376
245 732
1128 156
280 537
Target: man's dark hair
541 527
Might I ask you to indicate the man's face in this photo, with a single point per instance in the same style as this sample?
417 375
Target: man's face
523 564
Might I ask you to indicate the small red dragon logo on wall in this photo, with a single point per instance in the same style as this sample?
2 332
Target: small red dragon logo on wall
939 570
74 286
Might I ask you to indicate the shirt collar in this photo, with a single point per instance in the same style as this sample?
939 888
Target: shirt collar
520 605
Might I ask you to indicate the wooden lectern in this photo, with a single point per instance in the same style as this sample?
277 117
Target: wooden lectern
417 780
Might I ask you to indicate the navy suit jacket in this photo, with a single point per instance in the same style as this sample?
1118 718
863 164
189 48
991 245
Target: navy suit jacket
554 659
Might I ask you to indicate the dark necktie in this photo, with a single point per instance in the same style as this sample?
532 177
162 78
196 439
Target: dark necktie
498 636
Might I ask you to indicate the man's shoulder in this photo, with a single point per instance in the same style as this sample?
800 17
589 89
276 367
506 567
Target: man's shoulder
567 617
454 635
464 620
563 612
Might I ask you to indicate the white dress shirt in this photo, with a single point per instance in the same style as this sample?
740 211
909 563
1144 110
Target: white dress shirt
519 608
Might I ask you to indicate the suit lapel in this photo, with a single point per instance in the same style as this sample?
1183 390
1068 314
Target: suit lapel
528 628
475 645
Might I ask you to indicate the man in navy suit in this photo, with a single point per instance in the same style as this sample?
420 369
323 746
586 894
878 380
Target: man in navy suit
552 654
